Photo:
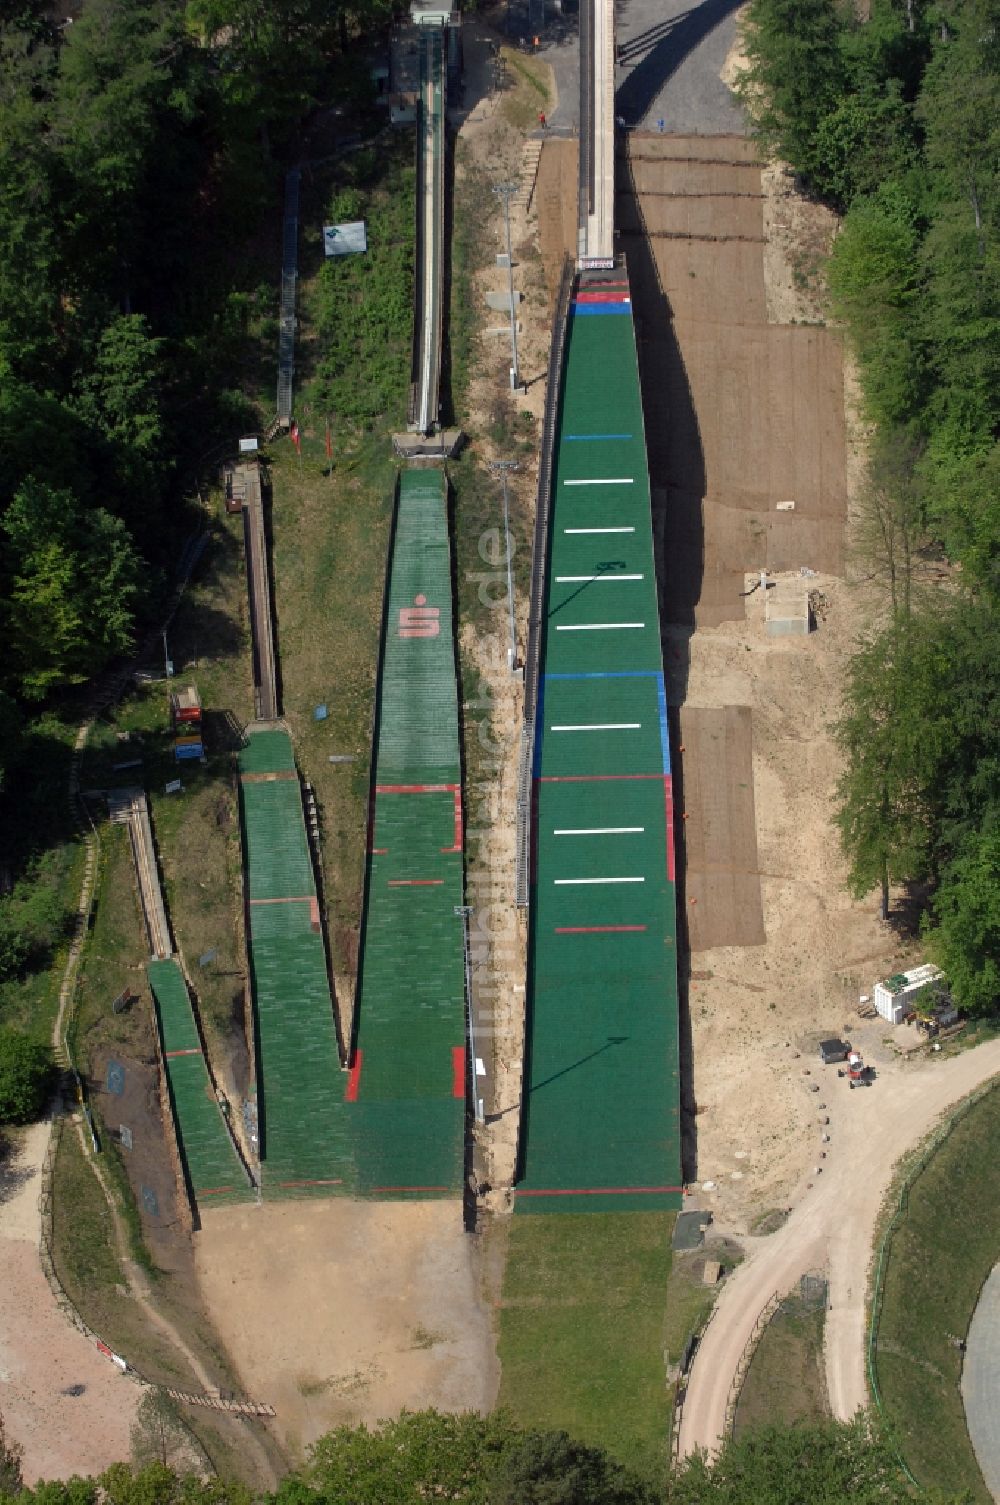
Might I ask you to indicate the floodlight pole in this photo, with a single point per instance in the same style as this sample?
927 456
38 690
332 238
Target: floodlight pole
503 468
505 192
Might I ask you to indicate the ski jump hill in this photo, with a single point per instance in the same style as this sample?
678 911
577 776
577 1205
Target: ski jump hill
600 1119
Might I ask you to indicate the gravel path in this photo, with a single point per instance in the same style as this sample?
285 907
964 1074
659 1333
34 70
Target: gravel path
981 1382
832 1227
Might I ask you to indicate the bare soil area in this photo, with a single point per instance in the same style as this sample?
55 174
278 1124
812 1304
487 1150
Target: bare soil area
345 1312
722 885
62 1401
744 416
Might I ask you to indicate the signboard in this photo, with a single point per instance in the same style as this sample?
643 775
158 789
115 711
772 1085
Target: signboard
345 240
248 446
596 263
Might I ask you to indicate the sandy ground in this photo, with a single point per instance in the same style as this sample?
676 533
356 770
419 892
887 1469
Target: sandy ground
832 1227
346 1312
62 1401
745 409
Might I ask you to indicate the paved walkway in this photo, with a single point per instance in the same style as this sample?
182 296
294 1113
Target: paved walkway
981 1382
833 1227
671 54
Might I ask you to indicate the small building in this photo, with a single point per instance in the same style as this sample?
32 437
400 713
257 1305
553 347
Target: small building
896 998
831 1051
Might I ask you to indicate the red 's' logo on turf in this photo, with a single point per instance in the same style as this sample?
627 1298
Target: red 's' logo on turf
419 620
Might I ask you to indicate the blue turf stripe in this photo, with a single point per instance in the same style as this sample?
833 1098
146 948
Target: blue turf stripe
622 310
661 695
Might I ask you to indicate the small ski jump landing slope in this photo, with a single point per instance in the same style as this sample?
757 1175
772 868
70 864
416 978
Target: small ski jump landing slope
304 1144
408 1064
214 1172
600 1129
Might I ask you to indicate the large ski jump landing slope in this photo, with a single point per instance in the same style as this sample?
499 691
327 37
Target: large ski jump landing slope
601 1117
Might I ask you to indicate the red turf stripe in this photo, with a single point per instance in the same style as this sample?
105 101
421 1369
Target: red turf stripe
354 1078
458 1071
192 1052
595 929
416 788
668 788
414 882
380 851
598 1191
611 296
591 778
211 1191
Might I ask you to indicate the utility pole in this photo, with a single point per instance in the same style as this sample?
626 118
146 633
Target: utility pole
505 192
503 468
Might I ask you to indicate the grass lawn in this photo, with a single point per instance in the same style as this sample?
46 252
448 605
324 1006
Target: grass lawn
86 1262
583 1329
786 1382
527 90
940 1253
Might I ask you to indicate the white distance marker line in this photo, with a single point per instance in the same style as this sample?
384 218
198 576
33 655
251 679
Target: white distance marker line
600 726
598 530
597 830
565 882
603 481
597 626
573 579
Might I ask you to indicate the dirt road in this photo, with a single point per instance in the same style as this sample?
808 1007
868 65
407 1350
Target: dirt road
831 1228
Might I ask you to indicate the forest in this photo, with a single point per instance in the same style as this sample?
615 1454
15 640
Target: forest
488 1460
890 113
142 151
